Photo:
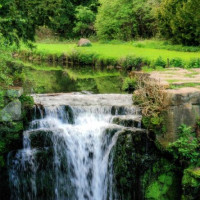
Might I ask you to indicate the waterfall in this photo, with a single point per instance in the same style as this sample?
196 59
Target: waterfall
67 153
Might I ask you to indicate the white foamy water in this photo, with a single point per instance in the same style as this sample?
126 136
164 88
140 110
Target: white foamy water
67 154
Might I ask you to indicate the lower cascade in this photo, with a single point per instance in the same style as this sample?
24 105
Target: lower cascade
68 147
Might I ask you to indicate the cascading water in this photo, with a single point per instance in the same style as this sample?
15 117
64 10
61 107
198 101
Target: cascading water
67 150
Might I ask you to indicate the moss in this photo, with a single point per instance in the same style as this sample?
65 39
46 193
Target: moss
129 84
191 184
27 101
10 139
161 188
140 171
162 181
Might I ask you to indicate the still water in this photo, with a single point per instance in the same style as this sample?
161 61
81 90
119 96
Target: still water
50 79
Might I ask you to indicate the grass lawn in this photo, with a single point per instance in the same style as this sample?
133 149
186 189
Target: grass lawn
118 51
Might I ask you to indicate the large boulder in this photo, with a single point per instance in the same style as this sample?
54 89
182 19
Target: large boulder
12 111
84 42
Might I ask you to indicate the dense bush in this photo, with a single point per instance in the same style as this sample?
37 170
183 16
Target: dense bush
131 62
194 63
179 20
159 62
186 149
176 62
124 19
85 18
129 84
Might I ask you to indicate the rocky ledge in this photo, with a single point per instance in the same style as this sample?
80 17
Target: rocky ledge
183 108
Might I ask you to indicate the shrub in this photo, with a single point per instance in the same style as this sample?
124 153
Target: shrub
27 101
178 20
129 84
159 62
130 62
176 62
194 63
1 99
85 18
152 99
186 148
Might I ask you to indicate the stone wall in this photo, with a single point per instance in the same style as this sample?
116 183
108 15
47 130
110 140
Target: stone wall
184 108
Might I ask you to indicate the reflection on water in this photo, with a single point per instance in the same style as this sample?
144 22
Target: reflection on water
48 79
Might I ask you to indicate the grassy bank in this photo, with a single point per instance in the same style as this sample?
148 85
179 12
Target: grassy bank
132 54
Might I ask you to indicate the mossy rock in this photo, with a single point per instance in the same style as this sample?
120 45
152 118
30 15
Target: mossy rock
162 181
10 137
41 138
132 157
191 184
126 121
10 140
161 188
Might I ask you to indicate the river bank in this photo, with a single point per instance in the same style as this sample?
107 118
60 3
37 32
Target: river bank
126 55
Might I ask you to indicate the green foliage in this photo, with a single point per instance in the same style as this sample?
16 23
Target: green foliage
129 20
27 101
132 62
176 62
194 63
16 21
179 20
159 62
10 134
129 84
191 183
154 123
85 18
186 148
158 189
1 99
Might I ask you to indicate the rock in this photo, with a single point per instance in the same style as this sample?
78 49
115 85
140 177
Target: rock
14 92
183 108
191 183
40 138
127 120
184 96
84 42
13 111
139 170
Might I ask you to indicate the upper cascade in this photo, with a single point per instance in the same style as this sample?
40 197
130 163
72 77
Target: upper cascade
78 99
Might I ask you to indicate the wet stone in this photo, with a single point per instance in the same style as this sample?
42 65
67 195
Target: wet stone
127 121
41 138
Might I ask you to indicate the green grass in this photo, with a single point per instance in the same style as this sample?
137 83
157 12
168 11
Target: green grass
159 44
146 69
192 74
184 85
117 51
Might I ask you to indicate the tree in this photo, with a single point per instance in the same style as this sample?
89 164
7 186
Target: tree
178 20
85 18
124 19
16 21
